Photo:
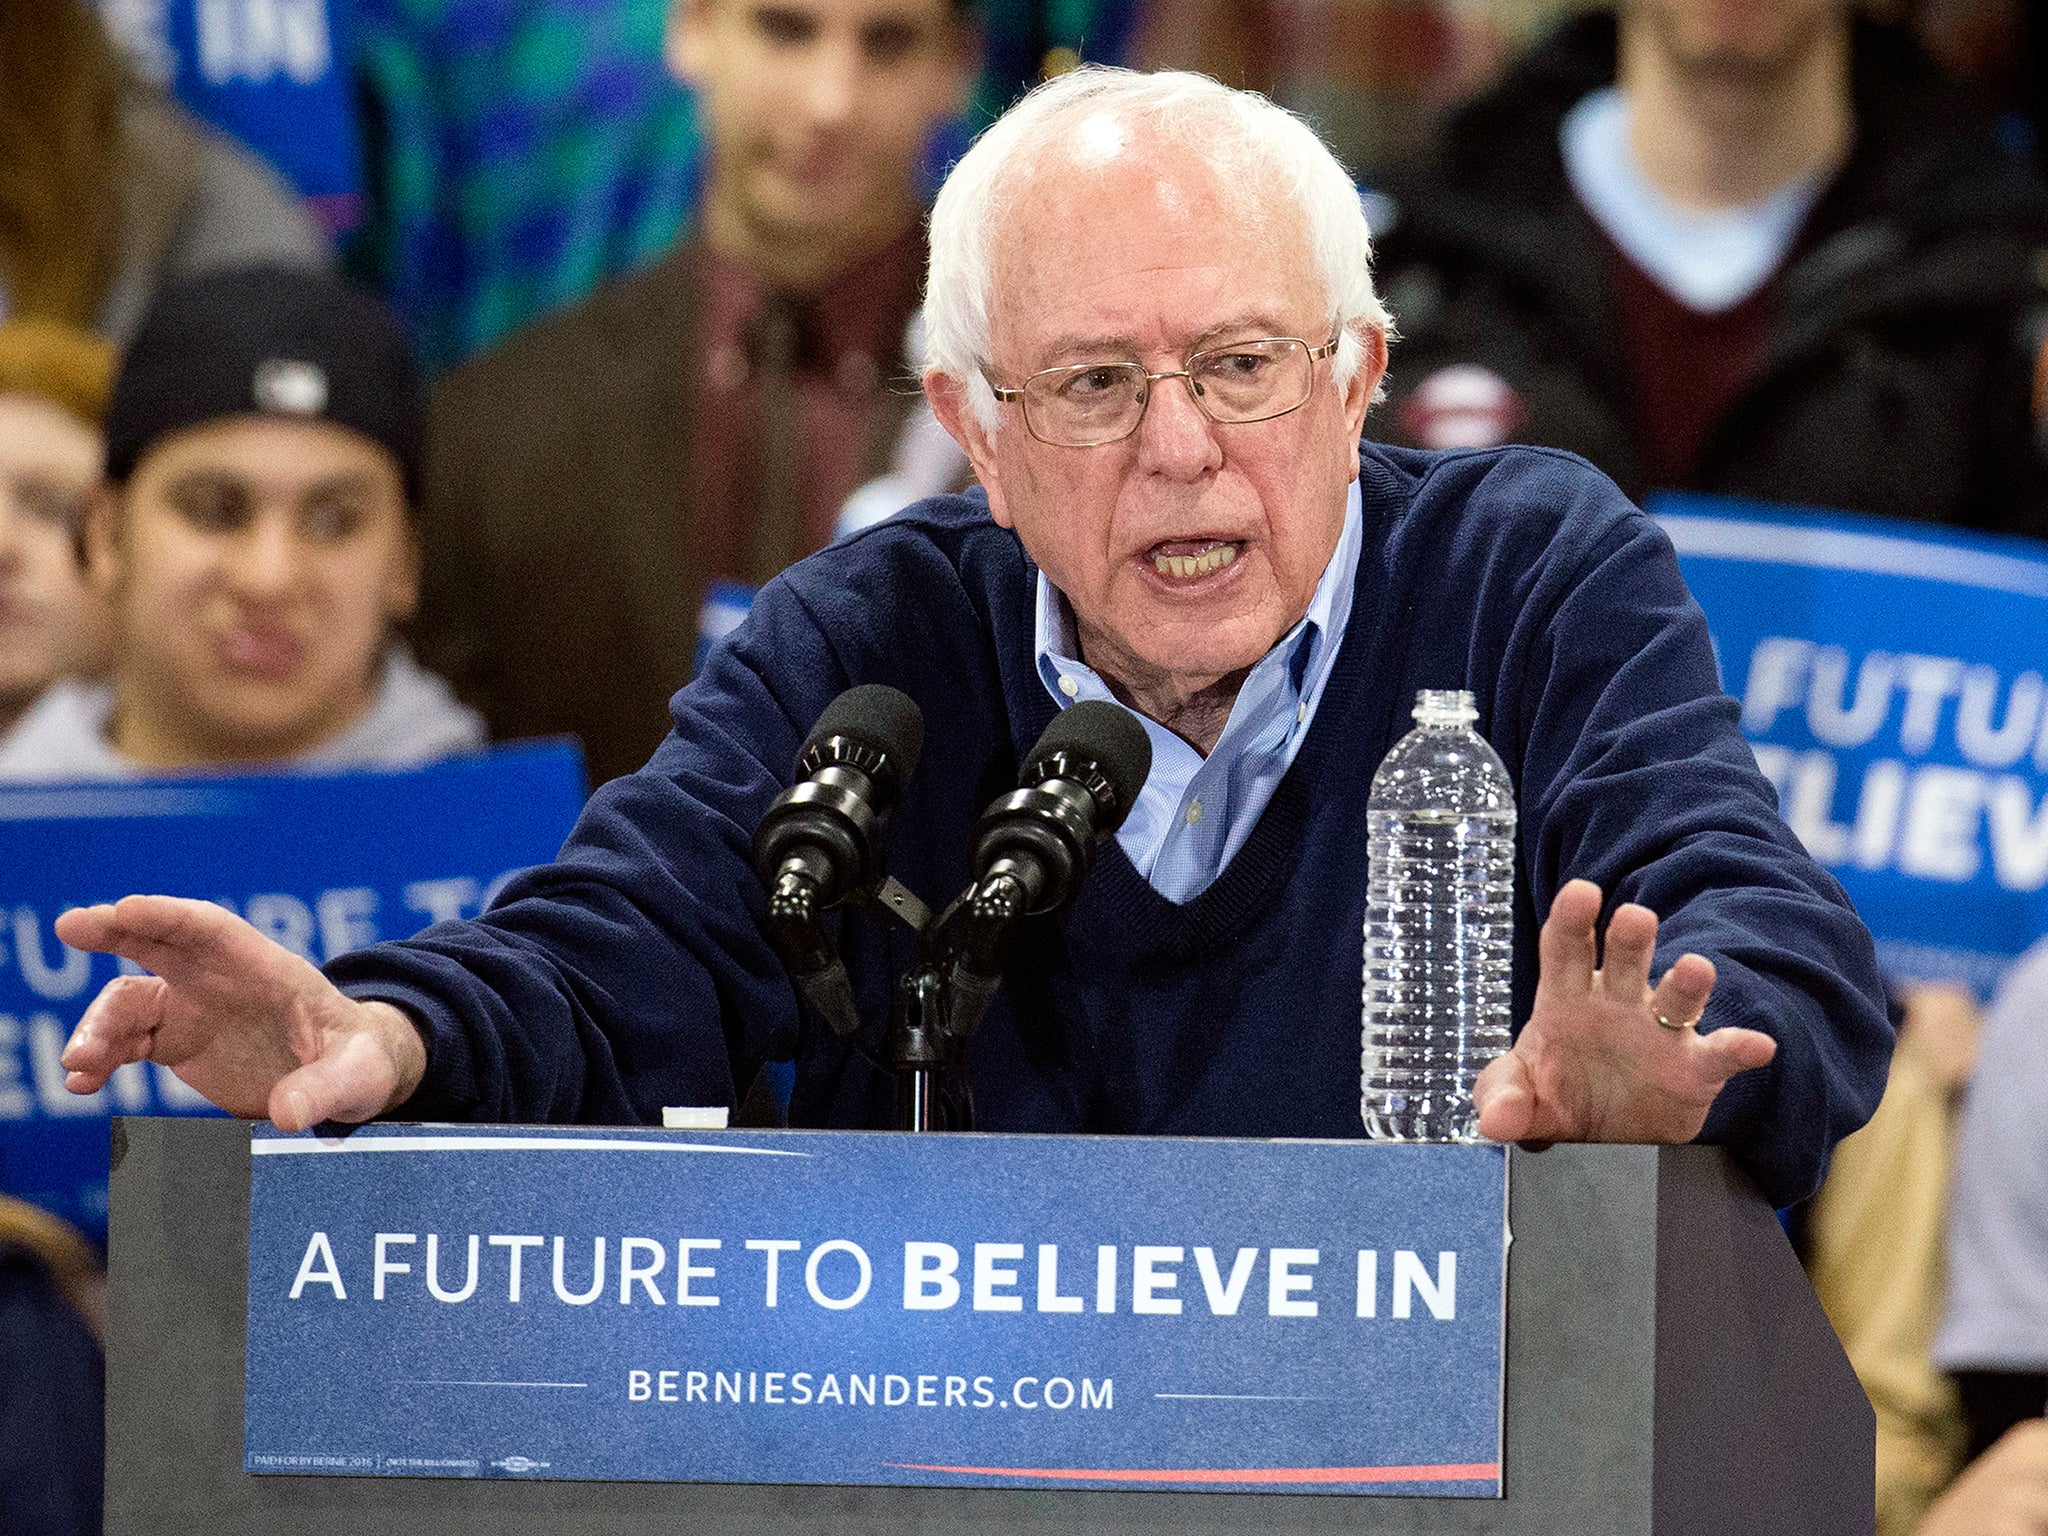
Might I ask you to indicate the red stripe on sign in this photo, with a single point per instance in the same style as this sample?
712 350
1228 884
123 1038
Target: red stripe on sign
1470 1472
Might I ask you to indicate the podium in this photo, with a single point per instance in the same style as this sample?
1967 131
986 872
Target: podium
1669 1371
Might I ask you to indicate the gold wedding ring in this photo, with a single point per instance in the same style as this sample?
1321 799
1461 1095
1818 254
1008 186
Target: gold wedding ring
1686 1024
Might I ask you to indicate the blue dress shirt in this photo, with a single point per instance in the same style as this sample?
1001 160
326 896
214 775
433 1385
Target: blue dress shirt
1194 813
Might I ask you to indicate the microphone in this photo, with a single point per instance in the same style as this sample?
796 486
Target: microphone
820 841
1032 847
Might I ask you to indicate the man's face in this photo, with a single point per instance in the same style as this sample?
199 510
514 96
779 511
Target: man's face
818 110
1145 256
255 567
51 623
1737 39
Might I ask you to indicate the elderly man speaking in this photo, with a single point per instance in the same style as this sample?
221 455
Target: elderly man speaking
1153 328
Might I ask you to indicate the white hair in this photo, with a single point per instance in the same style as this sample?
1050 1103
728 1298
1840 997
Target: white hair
1245 138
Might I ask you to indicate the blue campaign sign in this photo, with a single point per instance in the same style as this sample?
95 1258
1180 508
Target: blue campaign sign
1891 683
274 73
321 863
853 1307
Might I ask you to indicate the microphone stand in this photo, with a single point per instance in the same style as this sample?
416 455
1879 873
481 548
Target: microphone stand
940 1001
1031 850
917 1047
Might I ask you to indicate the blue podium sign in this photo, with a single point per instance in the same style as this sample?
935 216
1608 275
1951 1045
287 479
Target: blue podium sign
321 863
850 1307
1891 683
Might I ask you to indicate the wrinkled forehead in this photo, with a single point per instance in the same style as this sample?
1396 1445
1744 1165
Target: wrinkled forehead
1110 204
1106 168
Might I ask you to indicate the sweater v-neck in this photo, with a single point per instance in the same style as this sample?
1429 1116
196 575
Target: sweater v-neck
1120 900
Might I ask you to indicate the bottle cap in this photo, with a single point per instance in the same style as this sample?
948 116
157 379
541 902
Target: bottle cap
1445 706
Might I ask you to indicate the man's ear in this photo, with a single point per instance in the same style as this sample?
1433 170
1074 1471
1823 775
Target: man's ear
1365 383
99 542
950 402
685 42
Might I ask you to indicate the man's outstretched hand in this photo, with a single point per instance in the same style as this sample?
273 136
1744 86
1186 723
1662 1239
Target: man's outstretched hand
1593 1063
242 1019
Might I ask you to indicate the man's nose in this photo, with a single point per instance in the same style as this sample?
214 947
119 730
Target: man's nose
264 562
830 85
1176 438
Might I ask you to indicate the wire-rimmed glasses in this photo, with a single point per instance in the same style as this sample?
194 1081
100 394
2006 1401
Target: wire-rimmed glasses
1086 405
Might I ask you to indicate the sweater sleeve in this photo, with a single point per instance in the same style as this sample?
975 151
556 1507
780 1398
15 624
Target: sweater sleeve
632 972
1633 774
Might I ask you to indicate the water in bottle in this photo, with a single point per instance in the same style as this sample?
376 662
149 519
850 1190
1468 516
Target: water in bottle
1439 924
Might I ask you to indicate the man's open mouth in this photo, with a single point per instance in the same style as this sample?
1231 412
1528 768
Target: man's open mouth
1191 559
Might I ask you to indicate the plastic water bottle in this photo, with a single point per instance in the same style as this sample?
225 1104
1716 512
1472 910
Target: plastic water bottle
1439 924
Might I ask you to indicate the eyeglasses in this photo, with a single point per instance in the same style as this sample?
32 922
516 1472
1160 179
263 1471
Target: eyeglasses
1090 404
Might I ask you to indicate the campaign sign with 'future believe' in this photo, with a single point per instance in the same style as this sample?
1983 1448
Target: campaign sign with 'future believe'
322 863
844 1307
1891 679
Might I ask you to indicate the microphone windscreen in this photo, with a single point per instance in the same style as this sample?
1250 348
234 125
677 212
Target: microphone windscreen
1110 737
880 717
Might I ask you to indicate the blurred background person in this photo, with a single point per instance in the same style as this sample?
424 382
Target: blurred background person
53 393
1928 1247
52 1376
1993 1309
2001 46
1374 76
708 417
1767 250
1994 1331
523 151
255 546
1872 1243
108 189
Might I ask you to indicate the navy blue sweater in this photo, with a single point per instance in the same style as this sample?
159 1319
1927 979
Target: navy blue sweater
635 972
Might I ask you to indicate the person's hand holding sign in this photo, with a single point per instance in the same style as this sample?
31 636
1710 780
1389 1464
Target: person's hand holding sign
1605 1056
242 1019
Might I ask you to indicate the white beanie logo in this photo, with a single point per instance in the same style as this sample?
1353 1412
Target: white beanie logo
289 387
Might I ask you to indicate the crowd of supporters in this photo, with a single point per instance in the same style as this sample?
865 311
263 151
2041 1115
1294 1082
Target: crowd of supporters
1777 250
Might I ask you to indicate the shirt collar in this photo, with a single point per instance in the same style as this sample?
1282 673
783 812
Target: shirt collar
849 334
1307 646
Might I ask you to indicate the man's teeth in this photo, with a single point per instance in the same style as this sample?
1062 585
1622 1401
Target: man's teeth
1184 567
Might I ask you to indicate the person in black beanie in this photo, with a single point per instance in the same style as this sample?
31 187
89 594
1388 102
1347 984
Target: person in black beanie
255 541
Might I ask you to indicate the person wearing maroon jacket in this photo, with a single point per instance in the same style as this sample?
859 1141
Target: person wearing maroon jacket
1763 250
705 418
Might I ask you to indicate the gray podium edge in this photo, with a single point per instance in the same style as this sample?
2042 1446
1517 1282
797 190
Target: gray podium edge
1669 1372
